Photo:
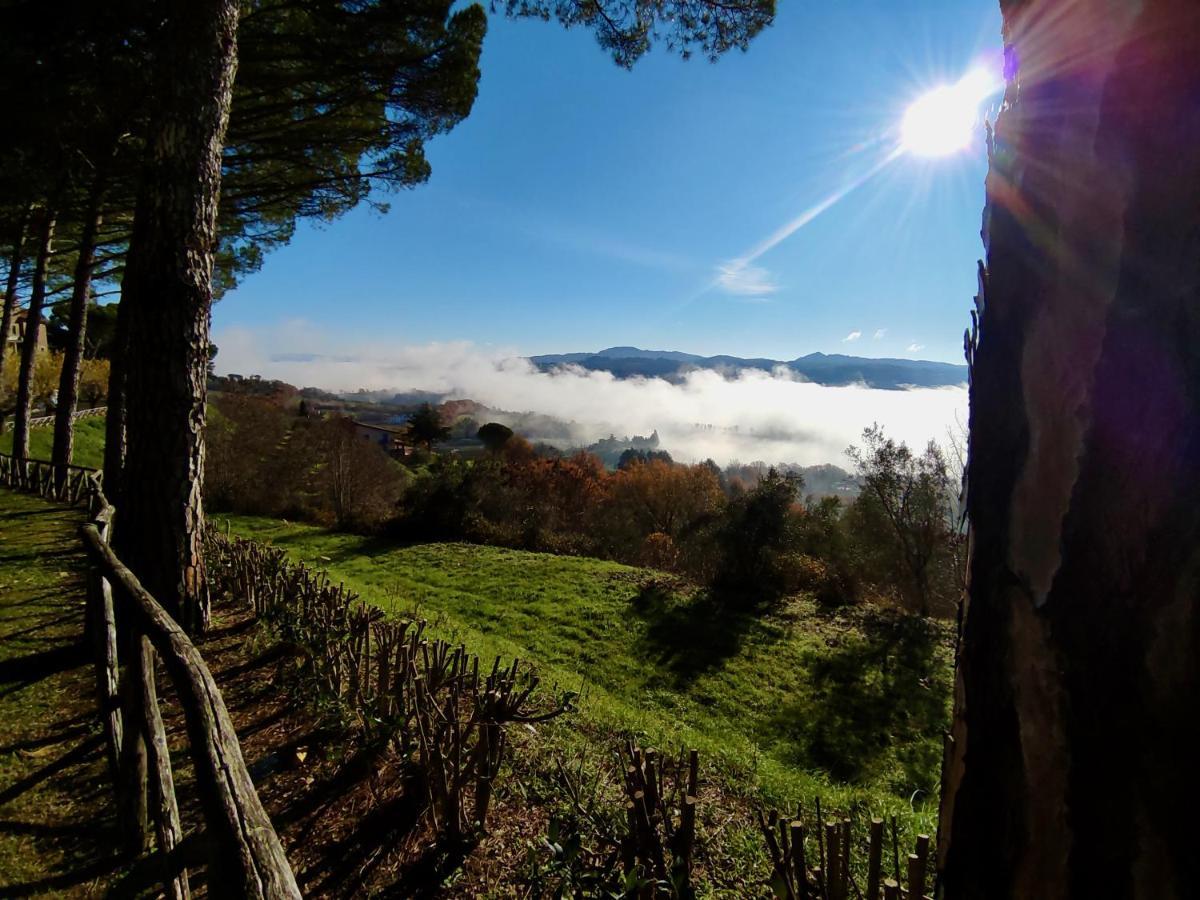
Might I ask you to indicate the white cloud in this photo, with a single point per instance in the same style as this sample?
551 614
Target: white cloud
769 416
914 347
880 334
851 337
738 277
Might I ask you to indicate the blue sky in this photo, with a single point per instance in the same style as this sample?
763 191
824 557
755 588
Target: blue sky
581 205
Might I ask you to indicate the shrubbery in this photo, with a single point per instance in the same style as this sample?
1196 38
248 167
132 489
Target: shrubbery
263 460
751 543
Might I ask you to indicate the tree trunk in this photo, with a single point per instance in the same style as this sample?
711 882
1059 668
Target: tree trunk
29 345
114 417
10 289
169 292
68 383
1070 770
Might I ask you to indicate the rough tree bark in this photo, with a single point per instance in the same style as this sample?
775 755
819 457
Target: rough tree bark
1070 771
168 291
14 279
68 383
29 345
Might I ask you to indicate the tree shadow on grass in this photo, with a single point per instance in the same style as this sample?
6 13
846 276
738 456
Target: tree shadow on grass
877 692
25 670
690 637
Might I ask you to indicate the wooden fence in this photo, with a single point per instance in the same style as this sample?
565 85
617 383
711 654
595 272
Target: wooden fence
816 863
443 711
128 630
36 476
42 421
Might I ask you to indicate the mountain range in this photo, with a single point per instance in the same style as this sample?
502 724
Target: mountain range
821 368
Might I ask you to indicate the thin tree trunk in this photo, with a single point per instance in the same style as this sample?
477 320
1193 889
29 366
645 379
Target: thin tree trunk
68 382
33 326
10 289
1071 772
168 286
114 419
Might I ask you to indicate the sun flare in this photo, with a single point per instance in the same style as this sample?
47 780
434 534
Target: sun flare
946 119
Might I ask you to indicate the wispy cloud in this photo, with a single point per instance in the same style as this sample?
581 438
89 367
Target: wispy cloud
914 347
732 274
851 337
880 334
744 280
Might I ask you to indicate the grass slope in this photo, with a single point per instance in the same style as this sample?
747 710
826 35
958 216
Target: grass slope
849 706
89 442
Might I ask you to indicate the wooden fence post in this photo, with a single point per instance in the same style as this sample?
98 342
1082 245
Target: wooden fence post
874 859
166 809
134 814
246 856
104 642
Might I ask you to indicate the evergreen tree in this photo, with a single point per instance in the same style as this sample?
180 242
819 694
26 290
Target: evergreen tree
425 427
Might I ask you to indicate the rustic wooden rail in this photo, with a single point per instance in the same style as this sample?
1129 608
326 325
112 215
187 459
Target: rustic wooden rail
37 476
42 421
246 858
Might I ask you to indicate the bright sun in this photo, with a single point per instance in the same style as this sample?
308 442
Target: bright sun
944 120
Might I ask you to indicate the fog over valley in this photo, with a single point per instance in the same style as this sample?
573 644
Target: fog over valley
749 415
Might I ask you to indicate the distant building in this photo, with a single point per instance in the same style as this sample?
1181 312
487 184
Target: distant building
16 331
388 437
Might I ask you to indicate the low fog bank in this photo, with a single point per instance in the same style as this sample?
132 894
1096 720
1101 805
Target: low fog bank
756 416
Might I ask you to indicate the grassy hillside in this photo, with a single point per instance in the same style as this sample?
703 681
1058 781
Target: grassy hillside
89 442
848 706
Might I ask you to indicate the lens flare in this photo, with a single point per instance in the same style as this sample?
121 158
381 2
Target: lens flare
946 119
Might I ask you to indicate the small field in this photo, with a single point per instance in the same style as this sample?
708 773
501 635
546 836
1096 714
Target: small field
89 442
848 706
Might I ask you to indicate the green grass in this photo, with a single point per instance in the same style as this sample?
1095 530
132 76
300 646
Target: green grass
55 800
801 703
89 442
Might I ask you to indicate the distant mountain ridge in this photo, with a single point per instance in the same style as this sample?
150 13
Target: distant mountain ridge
821 368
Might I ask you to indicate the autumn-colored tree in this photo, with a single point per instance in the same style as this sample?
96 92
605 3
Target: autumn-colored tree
660 496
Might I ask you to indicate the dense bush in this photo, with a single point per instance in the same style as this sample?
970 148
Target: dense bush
756 543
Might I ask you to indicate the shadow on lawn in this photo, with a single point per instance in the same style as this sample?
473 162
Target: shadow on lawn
880 690
690 637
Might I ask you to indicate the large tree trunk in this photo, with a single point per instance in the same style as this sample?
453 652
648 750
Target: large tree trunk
33 327
10 289
168 289
68 382
1071 768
